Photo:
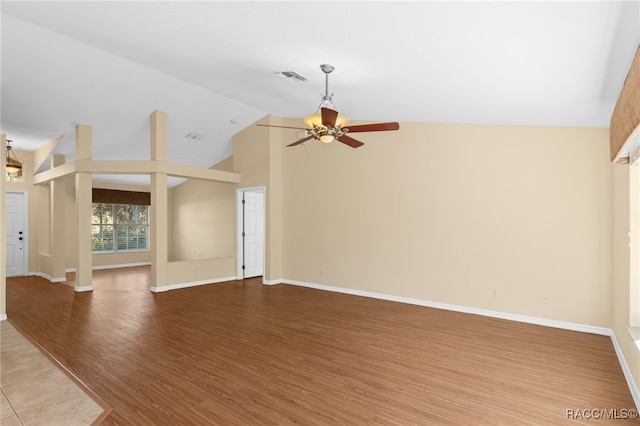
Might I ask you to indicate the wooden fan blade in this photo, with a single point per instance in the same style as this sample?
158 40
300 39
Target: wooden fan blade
349 141
376 127
300 141
329 116
282 127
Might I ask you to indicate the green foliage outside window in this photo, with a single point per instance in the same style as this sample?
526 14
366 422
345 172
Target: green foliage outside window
119 227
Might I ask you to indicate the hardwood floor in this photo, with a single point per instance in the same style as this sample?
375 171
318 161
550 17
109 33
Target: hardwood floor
243 353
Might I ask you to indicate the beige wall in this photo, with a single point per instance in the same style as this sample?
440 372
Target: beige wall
251 154
257 157
203 219
449 213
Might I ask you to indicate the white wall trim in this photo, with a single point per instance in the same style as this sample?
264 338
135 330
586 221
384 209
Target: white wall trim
459 308
634 332
43 275
271 282
95 268
3 317
114 266
83 289
633 386
191 284
50 278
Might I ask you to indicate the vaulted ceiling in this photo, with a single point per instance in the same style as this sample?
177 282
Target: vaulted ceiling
211 66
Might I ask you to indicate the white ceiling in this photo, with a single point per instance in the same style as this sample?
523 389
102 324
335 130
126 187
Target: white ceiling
210 66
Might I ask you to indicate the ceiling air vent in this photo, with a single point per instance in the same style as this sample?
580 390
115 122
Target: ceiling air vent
194 136
290 75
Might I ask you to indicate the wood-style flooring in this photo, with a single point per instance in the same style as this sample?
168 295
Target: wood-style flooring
240 353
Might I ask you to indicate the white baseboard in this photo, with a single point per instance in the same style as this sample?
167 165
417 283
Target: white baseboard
264 280
95 268
459 308
43 275
83 288
191 284
3 317
633 387
50 278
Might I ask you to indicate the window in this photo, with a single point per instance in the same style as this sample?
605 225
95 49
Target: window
119 227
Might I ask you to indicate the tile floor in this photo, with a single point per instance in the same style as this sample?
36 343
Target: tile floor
34 391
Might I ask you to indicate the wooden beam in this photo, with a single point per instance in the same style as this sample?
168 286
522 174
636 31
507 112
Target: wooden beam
55 173
43 152
134 167
182 170
159 136
119 167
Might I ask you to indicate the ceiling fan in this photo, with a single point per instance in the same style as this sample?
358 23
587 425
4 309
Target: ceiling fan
328 125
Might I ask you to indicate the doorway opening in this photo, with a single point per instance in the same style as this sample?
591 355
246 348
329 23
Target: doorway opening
251 232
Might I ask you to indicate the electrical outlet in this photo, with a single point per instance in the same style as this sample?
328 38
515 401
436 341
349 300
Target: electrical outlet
545 300
324 272
494 292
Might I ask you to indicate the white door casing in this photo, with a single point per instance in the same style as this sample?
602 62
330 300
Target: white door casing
16 234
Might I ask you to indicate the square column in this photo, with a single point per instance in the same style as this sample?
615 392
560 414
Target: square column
159 222
57 190
84 210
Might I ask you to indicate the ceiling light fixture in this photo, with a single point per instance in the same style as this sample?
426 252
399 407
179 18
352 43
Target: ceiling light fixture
326 134
327 125
13 165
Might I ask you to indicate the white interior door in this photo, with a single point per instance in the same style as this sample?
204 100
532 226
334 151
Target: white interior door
16 234
253 234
